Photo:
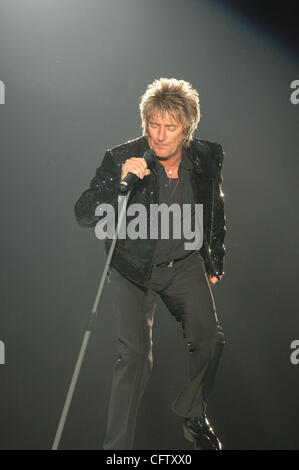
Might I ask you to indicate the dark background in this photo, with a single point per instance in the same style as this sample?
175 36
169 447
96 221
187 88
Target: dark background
74 71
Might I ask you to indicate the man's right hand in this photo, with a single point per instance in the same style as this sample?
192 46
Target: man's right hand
135 165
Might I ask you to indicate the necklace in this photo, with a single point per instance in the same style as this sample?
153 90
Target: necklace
169 179
166 172
171 171
174 187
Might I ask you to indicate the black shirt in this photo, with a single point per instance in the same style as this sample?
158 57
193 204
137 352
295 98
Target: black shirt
171 191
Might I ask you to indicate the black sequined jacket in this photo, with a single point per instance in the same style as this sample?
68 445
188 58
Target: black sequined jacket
133 257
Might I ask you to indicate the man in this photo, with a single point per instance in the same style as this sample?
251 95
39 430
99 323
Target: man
185 171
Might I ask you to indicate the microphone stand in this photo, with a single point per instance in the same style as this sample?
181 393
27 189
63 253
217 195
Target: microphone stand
86 337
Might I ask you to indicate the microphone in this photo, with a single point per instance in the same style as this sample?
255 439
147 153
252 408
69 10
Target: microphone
149 156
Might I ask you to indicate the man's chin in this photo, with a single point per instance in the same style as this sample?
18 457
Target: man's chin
161 153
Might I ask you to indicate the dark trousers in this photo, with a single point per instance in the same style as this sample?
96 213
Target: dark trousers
185 290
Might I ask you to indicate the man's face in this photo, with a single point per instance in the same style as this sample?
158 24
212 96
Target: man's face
165 135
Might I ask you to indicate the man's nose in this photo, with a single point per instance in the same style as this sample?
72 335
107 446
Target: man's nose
161 134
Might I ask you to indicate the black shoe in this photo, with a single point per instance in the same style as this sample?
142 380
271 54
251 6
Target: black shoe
199 431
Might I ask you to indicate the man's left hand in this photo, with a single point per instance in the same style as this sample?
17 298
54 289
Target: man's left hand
213 279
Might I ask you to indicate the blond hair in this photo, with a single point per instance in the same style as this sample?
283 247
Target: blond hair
178 98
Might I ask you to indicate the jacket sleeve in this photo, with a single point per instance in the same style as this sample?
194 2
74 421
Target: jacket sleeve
218 228
104 188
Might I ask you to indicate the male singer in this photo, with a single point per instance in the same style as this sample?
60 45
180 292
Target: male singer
185 171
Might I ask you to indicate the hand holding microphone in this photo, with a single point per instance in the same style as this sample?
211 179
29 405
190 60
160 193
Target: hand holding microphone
135 168
135 165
